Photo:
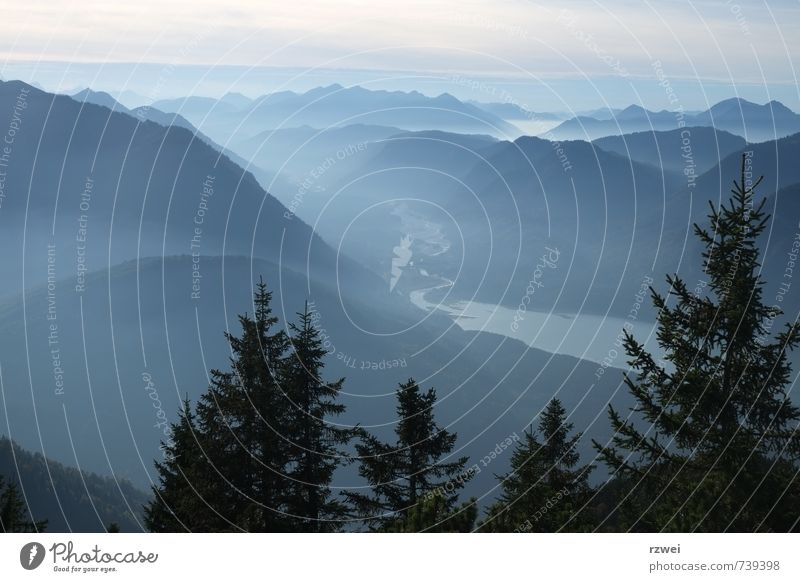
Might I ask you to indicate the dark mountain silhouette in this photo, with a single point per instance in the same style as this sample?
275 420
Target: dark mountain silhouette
695 149
69 499
774 159
143 113
667 244
100 98
572 196
622 221
755 122
136 188
629 120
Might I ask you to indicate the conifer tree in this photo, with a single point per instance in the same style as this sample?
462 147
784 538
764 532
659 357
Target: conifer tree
713 442
258 452
243 416
14 516
413 469
182 499
546 490
316 443
226 465
431 516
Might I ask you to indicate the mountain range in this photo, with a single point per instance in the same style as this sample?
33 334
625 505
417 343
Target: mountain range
140 234
69 499
119 196
334 105
754 122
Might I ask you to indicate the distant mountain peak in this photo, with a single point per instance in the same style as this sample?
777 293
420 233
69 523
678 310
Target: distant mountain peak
778 107
633 111
318 92
734 104
236 99
448 98
734 101
99 98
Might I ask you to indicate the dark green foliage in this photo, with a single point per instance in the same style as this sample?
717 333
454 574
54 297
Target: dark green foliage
243 419
717 444
316 450
66 498
411 471
546 490
257 454
179 501
431 516
14 515
711 444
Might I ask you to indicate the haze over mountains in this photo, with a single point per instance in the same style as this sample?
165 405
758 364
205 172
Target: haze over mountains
163 173
510 196
141 233
334 105
752 121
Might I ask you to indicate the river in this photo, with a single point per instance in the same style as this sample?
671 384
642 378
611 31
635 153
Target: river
590 337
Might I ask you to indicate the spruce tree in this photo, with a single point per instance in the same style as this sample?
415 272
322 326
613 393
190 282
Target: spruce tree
432 516
258 452
14 516
546 490
226 465
183 500
243 416
712 442
316 443
411 471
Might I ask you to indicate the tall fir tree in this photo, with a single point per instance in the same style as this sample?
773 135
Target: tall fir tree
546 489
243 416
259 451
14 516
713 444
317 444
183 500
227 462
411 471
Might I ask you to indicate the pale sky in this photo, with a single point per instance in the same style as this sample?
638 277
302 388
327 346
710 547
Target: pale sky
577 52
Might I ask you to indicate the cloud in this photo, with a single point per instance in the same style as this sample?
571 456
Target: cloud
724 41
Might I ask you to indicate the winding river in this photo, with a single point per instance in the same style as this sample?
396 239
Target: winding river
590 337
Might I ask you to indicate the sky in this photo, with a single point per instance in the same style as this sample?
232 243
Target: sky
567 55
